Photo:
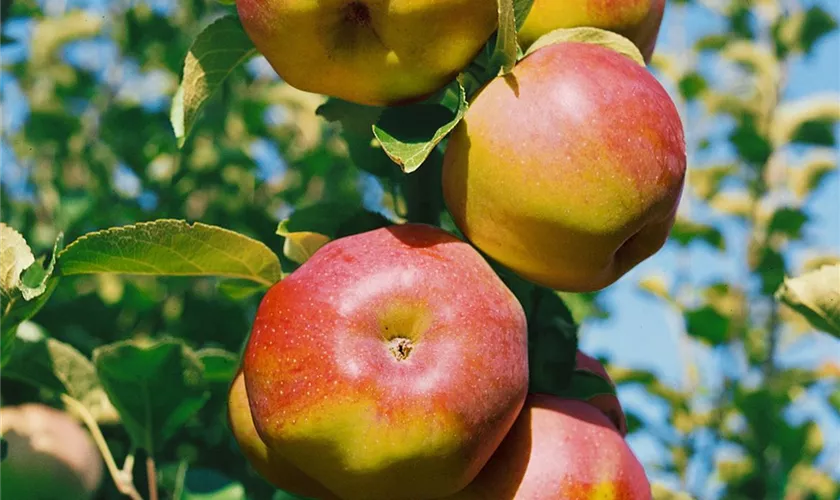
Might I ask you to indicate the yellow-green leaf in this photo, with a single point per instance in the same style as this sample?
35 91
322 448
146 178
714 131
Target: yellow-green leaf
815 295
597 36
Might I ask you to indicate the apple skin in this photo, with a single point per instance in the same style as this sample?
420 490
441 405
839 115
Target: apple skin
568 171
271 466
390 365
607 403
560 449
638 20
51 456
373 52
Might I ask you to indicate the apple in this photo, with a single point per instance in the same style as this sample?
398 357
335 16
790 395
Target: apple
607 403
560 449
369 51
390 365
271 466
638 20
50 455
569 170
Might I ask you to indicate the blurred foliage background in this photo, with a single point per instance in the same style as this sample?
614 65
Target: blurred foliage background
729 394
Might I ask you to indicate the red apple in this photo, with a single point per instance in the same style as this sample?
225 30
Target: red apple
560 449
50 455
390 365
607 403
271 466
569 170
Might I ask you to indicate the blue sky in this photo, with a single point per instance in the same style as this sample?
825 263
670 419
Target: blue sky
643 332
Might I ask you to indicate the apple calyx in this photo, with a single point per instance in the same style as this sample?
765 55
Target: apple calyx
400 347
357 13
597 36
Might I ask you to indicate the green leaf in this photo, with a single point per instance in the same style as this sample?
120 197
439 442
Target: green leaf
808 120
216 52
240 289
750 144
788 221
816 296
285 495
686 232
691 85
521 9
505 51
171 248
771 268
706 182
817 24
49 364
205 484
552 343
597 36
219 365
357 123
408 134
156 387
708 325
584 385
33 281
713 43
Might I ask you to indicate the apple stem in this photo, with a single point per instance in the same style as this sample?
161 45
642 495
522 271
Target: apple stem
151 472
122 480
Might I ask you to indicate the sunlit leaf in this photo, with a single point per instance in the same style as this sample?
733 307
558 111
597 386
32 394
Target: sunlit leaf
815 295
596 36
171 248
815 167
52 32
216 52
24 291
310 228
799 120
686 232
408 134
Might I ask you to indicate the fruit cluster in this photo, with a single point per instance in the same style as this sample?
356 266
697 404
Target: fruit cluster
394 363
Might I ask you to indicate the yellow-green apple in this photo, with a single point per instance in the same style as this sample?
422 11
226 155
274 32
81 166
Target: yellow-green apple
569 170
271 466
376 52
607 403
560 448
50 455
390 365
638 20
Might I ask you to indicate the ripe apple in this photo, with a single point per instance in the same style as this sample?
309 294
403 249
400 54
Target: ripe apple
638 20
607 403
390 365
50 455
568 171
560 448
271 466
369 51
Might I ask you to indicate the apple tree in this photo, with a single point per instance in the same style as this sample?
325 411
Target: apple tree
178 178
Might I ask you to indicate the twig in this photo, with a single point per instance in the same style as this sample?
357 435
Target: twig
122 480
